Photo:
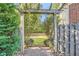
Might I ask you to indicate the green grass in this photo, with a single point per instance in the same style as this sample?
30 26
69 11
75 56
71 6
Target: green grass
38 42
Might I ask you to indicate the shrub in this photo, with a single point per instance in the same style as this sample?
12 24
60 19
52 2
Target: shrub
9 25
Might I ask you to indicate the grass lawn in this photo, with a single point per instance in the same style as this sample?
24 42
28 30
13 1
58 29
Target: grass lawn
39 42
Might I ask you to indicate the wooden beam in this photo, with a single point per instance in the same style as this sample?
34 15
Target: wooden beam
22 32
55 33
50 6
41 11
62 6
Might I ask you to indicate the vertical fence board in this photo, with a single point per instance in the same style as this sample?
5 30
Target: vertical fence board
77 39
66 40
61 38
58 39
71 40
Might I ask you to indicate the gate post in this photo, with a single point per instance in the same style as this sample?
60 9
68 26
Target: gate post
55 29
22 31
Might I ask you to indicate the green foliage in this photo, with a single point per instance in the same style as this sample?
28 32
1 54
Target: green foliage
55 5
49 22
32 22
39 42
9 25
48 25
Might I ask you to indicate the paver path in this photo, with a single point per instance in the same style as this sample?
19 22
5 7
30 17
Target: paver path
37 51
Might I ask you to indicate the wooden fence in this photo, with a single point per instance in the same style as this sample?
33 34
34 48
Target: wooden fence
68 39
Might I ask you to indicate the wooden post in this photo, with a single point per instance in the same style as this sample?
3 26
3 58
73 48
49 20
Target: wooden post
55 29
22 32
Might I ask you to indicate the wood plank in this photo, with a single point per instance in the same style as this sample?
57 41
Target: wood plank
22 32
41 11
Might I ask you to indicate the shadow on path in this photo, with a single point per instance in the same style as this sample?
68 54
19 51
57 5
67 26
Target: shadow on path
37 51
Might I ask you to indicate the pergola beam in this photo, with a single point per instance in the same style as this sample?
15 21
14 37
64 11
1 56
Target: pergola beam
61 6
50 6
41 11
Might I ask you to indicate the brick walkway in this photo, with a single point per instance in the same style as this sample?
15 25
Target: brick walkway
38 51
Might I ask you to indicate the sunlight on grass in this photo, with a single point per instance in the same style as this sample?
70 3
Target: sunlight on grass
37 37
39 42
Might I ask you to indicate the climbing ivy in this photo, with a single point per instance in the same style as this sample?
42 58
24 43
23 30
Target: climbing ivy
9 25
